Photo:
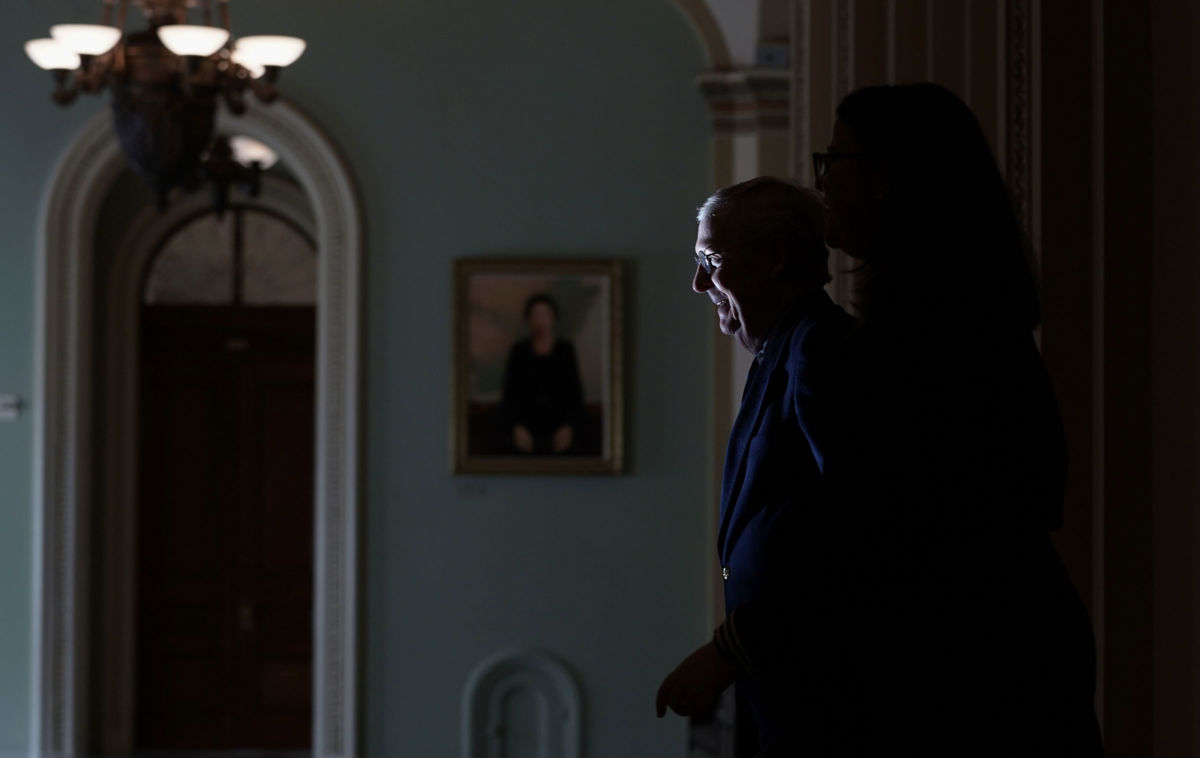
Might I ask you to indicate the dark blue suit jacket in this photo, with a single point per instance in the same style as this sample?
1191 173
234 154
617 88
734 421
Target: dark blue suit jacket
772 491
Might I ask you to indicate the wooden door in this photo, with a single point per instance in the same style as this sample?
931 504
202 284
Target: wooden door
225 514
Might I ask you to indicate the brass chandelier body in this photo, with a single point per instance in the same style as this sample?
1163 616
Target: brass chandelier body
164 104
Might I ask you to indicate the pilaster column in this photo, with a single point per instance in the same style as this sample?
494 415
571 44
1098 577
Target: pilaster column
750 110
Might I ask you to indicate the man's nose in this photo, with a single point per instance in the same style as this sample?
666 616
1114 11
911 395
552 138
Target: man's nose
701 282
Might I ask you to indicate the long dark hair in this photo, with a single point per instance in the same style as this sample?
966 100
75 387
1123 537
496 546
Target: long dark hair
949 232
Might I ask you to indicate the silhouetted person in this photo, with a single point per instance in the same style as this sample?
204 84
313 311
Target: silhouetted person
761 260
964 634
543 397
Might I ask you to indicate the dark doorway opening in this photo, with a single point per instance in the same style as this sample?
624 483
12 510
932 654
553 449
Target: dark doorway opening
224 619
224 589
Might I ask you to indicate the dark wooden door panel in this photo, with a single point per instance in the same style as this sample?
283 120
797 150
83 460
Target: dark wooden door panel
276 420
225 529
186 473
183 645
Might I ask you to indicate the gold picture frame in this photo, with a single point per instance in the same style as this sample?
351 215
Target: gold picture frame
514 389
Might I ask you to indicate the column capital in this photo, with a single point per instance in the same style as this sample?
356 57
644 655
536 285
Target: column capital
747 101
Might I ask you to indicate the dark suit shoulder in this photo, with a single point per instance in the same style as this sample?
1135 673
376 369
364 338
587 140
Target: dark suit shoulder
820 328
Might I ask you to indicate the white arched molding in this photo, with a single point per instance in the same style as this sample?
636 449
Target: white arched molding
61 416
703 19
63 413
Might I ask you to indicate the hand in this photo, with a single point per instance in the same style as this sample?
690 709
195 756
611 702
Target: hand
563 437
693 687
522 439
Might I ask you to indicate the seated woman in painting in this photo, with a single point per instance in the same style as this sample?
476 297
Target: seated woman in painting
542 404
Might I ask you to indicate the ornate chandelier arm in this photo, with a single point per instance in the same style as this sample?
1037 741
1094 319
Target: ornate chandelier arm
66 88
264 87
89 78
233 87
93 72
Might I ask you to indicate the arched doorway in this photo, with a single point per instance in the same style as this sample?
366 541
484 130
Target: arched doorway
64 434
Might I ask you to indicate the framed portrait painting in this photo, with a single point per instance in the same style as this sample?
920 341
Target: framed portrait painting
538 376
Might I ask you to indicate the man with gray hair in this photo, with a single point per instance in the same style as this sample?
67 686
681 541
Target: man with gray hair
761 260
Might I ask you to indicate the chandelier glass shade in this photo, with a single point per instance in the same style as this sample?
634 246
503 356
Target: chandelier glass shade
248 151
188 39
86 39
167 81
52 55
269 50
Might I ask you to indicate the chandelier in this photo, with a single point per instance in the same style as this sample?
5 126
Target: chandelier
166 81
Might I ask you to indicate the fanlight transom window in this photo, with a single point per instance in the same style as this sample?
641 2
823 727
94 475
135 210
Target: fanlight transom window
246 256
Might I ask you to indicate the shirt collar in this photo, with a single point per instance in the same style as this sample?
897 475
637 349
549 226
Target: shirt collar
770 346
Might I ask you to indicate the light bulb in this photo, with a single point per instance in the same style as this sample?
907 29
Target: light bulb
86 39
190 39
51 54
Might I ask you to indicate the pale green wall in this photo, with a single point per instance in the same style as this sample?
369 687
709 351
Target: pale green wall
537 127
33 132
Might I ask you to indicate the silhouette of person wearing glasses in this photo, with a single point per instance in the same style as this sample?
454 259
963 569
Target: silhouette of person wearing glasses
961 631
761 262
